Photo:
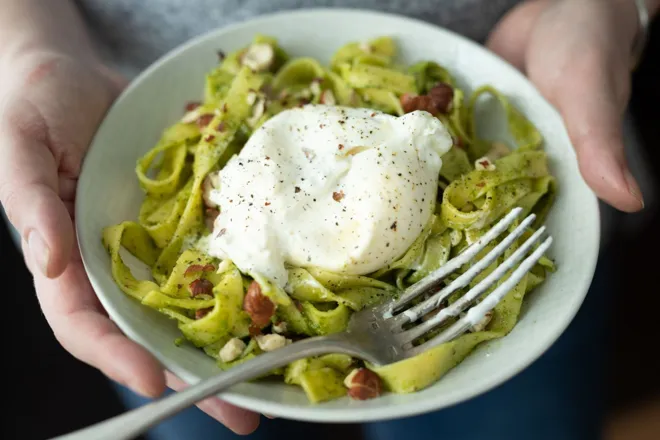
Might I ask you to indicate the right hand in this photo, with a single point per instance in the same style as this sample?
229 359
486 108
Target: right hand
577 53
50 107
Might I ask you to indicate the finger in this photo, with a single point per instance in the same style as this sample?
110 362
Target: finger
81 326
117 81
29 189
510 37
591 109
67 188
239 420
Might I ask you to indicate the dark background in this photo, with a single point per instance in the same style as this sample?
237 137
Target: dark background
51 393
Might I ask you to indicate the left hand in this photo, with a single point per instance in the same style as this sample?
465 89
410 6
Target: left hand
578 54
50 106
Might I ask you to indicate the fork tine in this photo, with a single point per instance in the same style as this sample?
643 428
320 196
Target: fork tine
477 313
432 303
433 279
474 293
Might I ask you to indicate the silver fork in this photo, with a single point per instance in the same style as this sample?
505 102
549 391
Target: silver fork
376 335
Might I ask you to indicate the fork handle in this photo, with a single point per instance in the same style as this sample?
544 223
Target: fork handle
133 423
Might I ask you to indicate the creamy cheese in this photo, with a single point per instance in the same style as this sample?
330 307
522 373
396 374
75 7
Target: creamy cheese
342 189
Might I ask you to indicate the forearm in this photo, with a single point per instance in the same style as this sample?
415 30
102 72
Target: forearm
42 25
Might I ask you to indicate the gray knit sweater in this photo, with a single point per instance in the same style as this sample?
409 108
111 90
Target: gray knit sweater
134 33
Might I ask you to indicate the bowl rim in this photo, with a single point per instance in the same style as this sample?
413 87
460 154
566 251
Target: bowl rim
317 413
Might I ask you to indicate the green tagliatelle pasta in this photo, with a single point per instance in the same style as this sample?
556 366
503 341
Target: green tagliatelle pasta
481 179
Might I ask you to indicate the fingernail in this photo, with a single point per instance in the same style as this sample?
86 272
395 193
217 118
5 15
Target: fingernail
269 417
139 388
39 251
633 186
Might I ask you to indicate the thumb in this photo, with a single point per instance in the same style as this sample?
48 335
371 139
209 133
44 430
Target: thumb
29 188
510 36
592 112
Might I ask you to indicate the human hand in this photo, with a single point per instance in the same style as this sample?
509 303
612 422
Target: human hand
50 107
578 53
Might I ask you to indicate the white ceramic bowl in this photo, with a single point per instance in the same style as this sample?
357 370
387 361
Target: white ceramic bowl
108 193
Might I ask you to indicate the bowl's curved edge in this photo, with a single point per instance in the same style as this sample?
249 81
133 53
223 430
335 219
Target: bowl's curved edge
320 414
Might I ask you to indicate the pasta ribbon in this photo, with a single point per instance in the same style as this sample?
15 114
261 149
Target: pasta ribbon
299 72
227 316
383 100
428 74
160 218
381 49
135 239
487 188
369 76
321 377
174 147
524 133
